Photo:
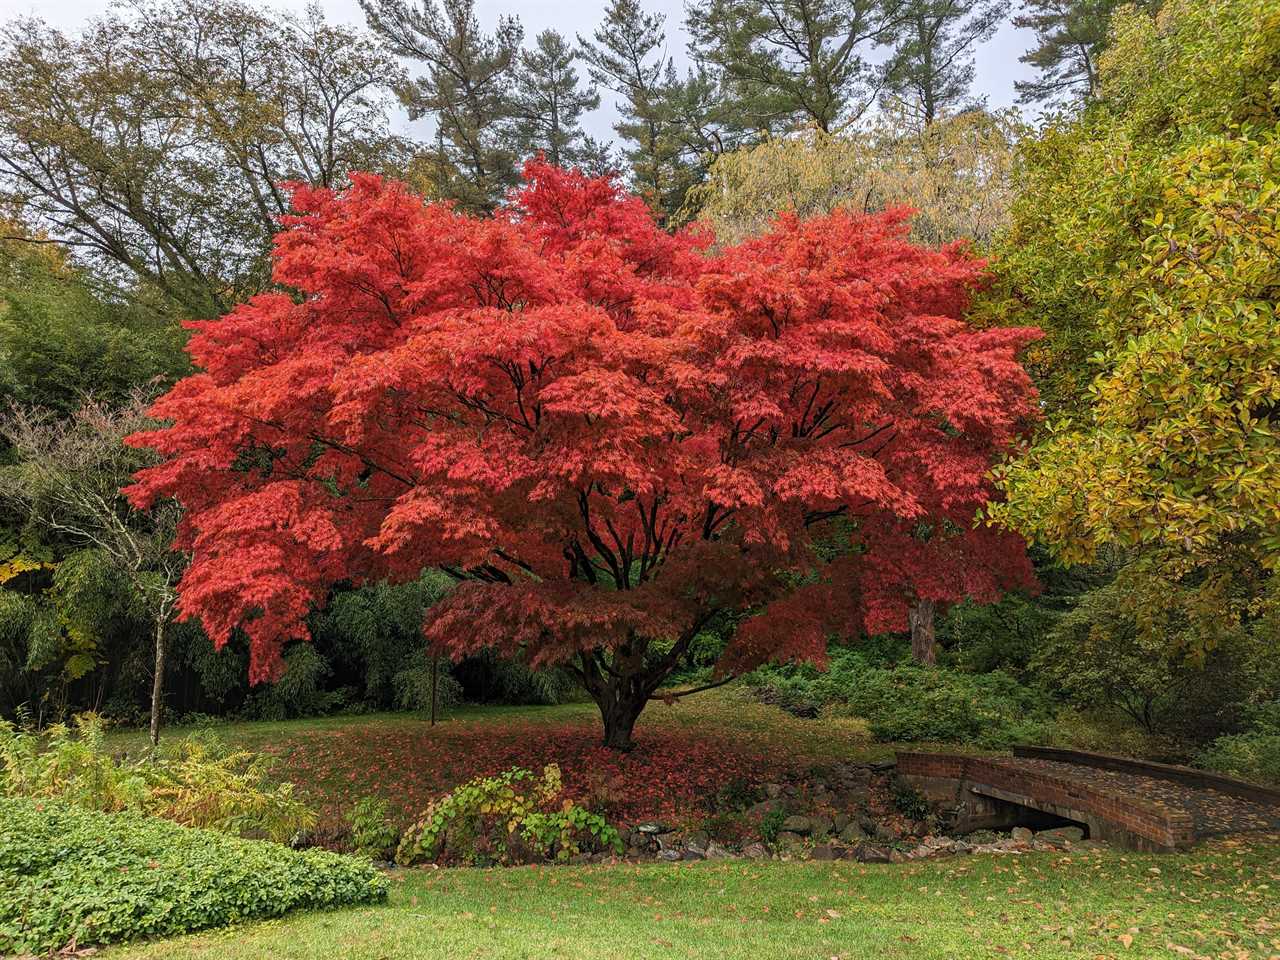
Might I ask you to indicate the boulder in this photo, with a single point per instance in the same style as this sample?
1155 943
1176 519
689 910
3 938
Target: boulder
692 853
773 790
886 833
870 853
801 825
670 841
790 844
698 840
670 854
823 851
839 822
821 827
756 851
716 852
882 766
653 827
764 807
852 833
1021 834
999 846
1073 834
932 847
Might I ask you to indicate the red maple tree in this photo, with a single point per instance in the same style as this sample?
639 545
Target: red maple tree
612 436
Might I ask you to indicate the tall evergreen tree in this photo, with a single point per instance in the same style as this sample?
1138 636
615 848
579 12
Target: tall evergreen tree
466 89
796 61
1070 35
626 55
932 67
548 101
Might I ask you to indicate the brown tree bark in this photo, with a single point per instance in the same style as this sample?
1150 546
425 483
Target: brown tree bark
157 684
920 617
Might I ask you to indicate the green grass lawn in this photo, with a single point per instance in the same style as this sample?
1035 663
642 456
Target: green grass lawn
1220 901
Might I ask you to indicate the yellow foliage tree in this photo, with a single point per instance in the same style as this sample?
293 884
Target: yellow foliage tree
955 172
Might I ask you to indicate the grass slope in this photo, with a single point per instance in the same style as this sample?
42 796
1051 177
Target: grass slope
1220 901
685 751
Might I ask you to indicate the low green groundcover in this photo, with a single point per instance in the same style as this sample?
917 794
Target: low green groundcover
74 875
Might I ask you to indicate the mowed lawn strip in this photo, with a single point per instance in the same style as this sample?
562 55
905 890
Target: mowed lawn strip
1218 901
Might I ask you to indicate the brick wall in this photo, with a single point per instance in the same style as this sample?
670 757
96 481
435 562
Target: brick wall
1148 819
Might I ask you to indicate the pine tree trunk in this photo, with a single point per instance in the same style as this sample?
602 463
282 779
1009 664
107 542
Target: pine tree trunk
920 616
157 684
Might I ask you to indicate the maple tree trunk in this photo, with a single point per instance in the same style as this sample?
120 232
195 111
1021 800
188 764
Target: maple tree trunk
157 684
620 716
621 697
920 617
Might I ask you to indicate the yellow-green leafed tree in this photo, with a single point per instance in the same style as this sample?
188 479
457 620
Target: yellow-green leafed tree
1146 241
955 172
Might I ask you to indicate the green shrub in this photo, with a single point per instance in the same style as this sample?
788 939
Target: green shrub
489 678
413 682
69 874
300 691
510 818
771 825
372 833
1170 656
195 782
1250 756
906 703
911 803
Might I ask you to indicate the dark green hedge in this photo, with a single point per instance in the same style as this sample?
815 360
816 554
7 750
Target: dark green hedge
72 874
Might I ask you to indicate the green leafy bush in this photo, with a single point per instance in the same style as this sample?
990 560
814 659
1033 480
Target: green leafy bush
910 801
1168 655
373 835
489 678
1250 756
300 691
510 818
771 825
194 782
413 682
70 874
905 703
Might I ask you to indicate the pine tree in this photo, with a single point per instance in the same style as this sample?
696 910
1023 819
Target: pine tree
788 62
548 102
466 90
932 67
626 55
1070 35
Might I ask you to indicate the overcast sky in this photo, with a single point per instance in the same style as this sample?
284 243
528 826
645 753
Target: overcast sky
997 60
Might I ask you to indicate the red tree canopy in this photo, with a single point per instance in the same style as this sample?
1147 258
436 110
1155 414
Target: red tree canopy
610 434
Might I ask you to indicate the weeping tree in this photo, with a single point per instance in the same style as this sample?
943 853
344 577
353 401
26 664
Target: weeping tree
64 479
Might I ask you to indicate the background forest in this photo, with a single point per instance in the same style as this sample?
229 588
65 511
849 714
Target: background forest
1132 212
